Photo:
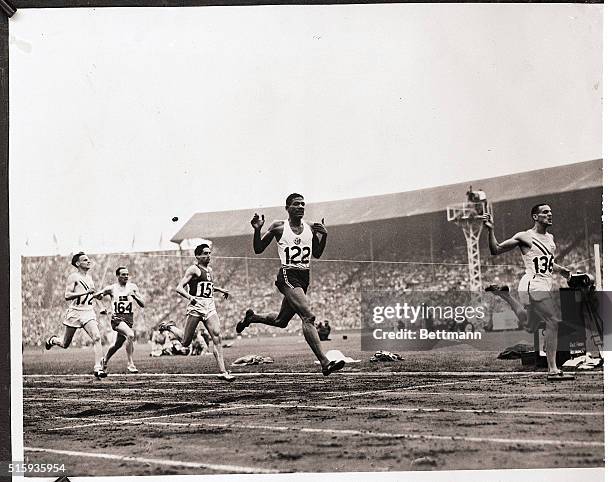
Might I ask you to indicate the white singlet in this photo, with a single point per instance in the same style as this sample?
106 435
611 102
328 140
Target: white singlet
80 310
122 302
83 302
294 250
539 260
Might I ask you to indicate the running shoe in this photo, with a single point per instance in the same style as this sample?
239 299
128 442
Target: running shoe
49 343
559 376
226 376
240 327
165 325
332 366
497 288
132 368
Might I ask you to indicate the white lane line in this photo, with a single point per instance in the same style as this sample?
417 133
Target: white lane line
37 385
172 463
110 400
138 390
286 406
142 419
570 395
313 374
427 409
400 435
343 393
195 402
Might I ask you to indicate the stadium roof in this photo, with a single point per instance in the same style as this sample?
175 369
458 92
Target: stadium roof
572 177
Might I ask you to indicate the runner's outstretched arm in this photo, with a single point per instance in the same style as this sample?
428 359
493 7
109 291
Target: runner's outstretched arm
495 247
261 243
318 244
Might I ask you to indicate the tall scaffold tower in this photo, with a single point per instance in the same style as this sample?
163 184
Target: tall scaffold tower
468 215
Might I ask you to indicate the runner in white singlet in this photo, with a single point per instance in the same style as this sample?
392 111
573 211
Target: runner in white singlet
538 251
297 241
80 293
123 295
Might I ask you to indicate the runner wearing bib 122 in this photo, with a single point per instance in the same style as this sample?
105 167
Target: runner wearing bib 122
296 241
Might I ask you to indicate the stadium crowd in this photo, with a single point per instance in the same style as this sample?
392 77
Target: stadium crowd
335 291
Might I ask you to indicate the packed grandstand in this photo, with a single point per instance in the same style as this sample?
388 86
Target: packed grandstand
419 251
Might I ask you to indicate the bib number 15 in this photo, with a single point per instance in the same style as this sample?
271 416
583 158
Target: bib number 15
297 255
205 289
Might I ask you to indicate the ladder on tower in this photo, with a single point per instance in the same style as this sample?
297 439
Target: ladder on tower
469 216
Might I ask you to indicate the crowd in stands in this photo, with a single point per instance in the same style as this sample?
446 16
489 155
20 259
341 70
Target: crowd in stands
335 291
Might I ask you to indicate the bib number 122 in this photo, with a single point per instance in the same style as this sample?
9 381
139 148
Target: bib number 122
297 254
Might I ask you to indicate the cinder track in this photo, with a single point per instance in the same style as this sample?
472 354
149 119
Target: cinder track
286 417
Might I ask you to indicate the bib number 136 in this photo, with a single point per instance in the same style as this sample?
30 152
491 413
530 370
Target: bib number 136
297 255
543 264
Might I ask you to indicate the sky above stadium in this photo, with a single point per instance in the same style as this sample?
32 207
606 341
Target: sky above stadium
121 119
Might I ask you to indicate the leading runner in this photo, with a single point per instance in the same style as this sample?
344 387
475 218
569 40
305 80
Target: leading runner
297 241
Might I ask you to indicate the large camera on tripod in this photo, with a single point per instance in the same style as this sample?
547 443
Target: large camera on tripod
581 281
582 306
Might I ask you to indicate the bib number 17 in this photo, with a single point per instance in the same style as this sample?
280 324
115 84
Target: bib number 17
84 300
